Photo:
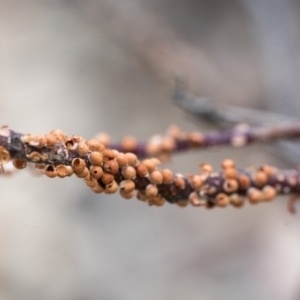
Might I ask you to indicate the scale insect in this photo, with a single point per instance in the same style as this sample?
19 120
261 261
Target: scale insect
4 158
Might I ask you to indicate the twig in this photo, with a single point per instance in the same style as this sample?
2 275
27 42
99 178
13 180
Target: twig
176 140
223 114
106 170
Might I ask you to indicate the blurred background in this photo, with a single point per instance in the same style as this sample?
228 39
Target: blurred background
109 65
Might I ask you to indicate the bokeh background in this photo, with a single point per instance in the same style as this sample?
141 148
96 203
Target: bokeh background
108 65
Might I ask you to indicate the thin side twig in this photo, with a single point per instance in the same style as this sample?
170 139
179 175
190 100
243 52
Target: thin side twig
176 140
223 114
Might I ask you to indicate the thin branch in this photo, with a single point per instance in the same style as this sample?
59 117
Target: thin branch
176 140
106 170
223 114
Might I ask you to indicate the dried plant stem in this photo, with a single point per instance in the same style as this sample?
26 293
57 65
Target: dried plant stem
224 114
176 140
107 170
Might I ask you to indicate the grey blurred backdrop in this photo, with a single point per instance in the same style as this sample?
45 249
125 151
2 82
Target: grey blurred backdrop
108 65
